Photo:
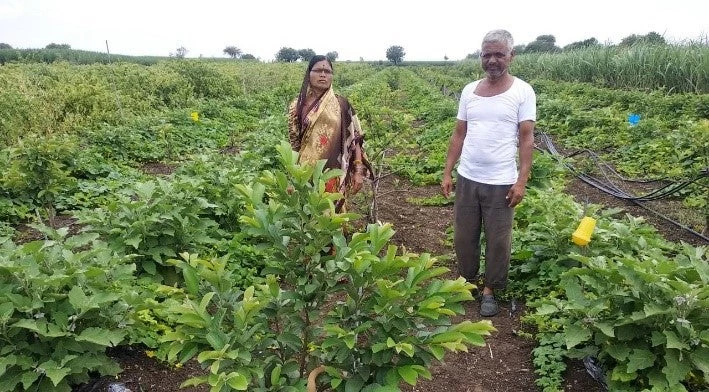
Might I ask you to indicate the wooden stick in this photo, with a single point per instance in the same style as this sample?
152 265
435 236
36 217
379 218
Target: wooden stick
312 376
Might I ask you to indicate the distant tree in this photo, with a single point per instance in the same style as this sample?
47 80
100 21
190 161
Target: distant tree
57 46
232 51
445 57
332 56
519 49
650 38
5 46
248 56
306 54
543 44
395 54
587 43
654 38
629 40
180 52
287 55
473 56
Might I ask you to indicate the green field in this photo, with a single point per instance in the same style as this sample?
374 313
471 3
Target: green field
216 260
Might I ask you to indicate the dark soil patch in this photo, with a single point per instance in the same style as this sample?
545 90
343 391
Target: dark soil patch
230 150
158 168
142 373
503 364
25 233
420 229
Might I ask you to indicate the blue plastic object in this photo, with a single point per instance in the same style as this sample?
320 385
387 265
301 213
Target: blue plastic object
633 119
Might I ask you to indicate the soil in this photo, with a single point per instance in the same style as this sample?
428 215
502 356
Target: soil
158 168
25 233
230 150
144 374
503 364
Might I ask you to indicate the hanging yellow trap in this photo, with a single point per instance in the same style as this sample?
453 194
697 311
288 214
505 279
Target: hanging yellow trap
582 235
195 116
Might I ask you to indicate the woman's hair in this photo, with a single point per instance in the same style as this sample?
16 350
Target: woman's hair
499 36
304 88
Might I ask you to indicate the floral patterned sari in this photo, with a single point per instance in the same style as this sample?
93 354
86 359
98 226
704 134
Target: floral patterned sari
322 136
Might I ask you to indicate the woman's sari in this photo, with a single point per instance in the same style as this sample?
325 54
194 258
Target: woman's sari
322 136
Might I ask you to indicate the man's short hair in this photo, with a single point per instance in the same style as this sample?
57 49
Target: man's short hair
499 36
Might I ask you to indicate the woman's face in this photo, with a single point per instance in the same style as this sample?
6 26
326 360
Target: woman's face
321 76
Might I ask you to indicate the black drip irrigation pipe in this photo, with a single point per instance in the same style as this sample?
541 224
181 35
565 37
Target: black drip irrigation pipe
613 189
610 188
638 181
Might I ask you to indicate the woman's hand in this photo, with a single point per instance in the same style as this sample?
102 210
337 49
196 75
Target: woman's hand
357 180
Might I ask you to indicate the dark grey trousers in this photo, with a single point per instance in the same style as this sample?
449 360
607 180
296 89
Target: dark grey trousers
479 206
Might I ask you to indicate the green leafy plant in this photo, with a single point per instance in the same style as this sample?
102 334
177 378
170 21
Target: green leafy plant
644 317
5 230
370 316
437 200
548 359
156 220
40 171
62 303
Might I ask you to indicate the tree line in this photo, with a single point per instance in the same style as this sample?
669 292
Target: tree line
4 45
395 54
547 44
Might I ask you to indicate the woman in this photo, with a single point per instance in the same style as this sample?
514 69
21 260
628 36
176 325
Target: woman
322 125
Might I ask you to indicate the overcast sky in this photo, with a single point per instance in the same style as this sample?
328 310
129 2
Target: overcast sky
426 29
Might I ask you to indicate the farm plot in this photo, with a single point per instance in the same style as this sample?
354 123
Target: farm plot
217 263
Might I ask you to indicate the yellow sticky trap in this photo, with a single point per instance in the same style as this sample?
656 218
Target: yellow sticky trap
582 235
195 116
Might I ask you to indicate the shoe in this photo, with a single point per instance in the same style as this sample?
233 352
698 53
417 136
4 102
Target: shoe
488 306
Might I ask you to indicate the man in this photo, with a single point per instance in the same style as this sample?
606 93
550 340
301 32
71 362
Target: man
496 117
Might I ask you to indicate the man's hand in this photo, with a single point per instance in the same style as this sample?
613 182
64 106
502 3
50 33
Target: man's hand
454 149
447 185
515 194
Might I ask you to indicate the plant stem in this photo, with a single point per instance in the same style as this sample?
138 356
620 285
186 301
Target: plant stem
306 339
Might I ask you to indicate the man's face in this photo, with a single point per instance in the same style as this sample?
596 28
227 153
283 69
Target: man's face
496 58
